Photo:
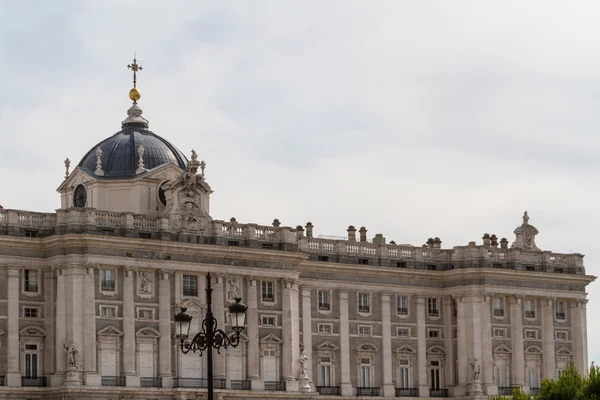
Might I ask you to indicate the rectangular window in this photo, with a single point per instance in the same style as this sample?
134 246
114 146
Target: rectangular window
324 328
403 332
31 280
108 312
144 313
364 330
325 375
432 307
560 310
403 382
529 309
499 333
434 333
561 335
268 320
365 375
268 291
324 304
498 307
530 334
31 312
190 285
532 378
402 305
108 280
401 264
31 362
364 303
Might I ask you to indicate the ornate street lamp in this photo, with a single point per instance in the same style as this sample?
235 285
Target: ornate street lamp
210 335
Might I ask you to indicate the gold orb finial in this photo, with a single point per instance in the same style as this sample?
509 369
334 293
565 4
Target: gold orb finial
135 94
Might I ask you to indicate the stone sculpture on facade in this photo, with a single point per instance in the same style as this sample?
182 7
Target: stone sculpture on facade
67 165
303 378
476 369
145 279
475 385
71 351
99 171
234 289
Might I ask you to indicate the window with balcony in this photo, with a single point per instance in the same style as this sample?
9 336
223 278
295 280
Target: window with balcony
325 375
402 305
324 297
107 280
268 291
560 310
31 281
498 307
432 307
364 303
190 285
529 308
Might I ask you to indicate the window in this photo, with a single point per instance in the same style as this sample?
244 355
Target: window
268 291
365 372
559 270
530 334
401 264
324 304
561 335
499 333
529 308
403 332
108 311
532 377
325 371
529 268
31 312
559 373
145 313
432 267
324 328
434 334
402 305
498 307
190 285
560 310
363 261
323 258
31 361
269 320
31 280
364 330
363 303
233 243
432 307
267 245
108 280
403 375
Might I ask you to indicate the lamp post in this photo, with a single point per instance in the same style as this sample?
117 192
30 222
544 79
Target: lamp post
210 336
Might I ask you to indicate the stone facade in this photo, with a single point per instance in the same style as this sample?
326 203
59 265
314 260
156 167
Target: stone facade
88 294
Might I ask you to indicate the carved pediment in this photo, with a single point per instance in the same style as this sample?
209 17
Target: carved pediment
2 332
32 331
110 331
192 304
534 350
502 349
406 349
327 346
271 339
563 352
148 333
366 347
243 337
436 350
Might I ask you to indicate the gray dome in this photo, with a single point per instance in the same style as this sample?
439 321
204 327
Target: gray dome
120 151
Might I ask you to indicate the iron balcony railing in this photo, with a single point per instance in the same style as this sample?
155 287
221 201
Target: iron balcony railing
560 315
506 390
364 309
190 383
402 311
275 386
329 390
407 392
113 381
499 312
150 382
367 391
529 314
33 382
2 382
438 392
434 313
240 385
323 306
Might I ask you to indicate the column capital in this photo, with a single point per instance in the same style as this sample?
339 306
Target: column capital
165 274
578 303
344 294
447 300
253 280
90 269
219 277
458 298
515 300
546 301
289 283
129 272
57 269
386 296
14 270
306 290
420 299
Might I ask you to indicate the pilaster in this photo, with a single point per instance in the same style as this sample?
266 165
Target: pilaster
13 374
549 357
256 382
220 360
577 337
90 377
461 347
386 343
346 383
447 304
129 345
307 329
518 353
60 329
421 347
164 327
291 338
487 352
74 275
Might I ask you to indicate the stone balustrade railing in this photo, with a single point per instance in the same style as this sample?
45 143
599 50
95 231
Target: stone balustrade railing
57 223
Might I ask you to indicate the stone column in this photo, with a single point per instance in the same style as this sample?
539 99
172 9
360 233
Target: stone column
345 382
256 382
421 348
518 353
74 296
577 323
61 327
548 339
461 347
386 344
13 374
448 311
219 360
584 334
90 377
307 330
132 378
291 337
487 353
164 327
49 319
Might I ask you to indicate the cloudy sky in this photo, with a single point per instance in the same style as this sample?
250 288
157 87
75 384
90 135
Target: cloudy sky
414 119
